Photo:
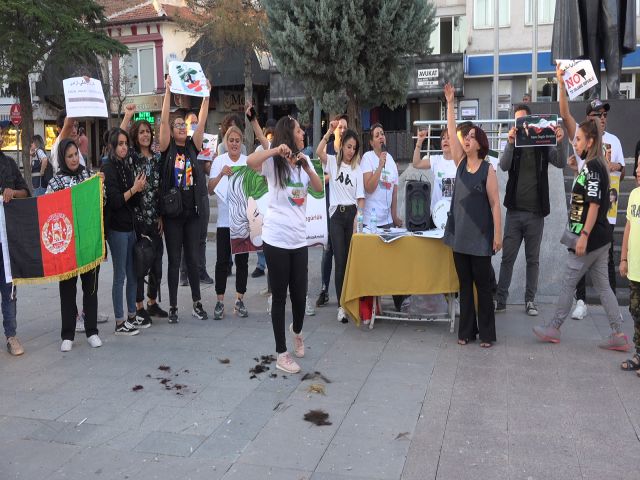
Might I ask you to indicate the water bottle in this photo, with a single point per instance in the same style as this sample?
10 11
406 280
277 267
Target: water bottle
360 221
373 221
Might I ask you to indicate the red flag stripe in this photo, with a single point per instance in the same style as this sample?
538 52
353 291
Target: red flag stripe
55 216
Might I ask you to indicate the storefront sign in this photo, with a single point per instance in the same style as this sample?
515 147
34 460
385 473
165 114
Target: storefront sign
428 77
144 116
232 101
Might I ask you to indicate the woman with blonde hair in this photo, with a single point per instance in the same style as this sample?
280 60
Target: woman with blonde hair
346 196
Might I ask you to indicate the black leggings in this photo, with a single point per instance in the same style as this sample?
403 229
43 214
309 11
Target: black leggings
223 262
287 269
341 230
473 269
155 274
179 231
69 308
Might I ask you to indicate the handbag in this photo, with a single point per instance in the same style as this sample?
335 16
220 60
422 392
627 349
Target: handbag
171 205
569 239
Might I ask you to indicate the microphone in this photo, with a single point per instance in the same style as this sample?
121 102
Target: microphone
383 147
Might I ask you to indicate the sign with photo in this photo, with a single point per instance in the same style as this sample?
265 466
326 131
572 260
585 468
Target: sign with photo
614 193
209 147
536 130
187 78
84 97
578 76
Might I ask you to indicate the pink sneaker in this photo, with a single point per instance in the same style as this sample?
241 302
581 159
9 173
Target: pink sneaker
298 342
619 343
286 363
547 333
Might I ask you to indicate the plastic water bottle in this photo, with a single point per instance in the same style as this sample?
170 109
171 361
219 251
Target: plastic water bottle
360 221
373 221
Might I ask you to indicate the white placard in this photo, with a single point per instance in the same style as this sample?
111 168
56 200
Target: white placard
187 78
222 188
578 76
84 97
209 147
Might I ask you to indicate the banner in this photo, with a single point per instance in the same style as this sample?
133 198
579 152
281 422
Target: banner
536 131
187 78
578 76
55 236
84 97
247 196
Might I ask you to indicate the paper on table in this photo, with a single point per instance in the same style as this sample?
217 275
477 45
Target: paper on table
578 76
187 78
84 97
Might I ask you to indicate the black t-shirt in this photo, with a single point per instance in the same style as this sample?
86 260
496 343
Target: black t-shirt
183 177
591 186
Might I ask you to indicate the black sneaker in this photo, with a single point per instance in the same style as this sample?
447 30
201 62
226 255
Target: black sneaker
323 298
126 328
218 311
499 307
184 282
258 272
198 311
155 310
205 278
240 309
141 320
173 315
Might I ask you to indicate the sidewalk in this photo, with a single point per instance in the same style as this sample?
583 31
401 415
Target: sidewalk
404 402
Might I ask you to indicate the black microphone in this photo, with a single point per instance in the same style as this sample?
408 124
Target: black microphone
383 147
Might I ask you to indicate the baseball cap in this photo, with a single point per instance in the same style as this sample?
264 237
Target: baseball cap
4 124
597 104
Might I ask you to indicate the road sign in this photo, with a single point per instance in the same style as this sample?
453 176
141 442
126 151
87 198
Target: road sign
15 114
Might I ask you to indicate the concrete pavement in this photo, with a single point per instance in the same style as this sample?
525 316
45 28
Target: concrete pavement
404 402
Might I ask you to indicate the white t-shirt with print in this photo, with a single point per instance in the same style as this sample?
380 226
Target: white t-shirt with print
346 184
53 156
216 167
380 199
285 223
444 178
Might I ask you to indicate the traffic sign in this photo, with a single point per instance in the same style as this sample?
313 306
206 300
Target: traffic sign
15 114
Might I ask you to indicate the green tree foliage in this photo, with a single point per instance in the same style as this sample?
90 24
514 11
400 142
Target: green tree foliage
34 31
359 47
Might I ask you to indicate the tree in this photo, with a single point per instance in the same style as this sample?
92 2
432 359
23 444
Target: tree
358 47
34 32
231 25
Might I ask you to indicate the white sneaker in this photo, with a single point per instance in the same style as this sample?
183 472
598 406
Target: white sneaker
580 311
309 309
94 341
66 346
342 316
286 363
269 301
298 342
80 322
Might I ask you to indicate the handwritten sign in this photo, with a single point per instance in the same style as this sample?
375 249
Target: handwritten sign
578 76
84 97
536 130
209 147
187 78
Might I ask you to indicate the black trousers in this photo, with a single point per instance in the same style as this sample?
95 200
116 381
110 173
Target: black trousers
180 231
287 269
69 309
340 232
202 246
473 269
155 275
223 257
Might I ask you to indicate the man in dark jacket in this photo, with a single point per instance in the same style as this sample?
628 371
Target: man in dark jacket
12 185
527 201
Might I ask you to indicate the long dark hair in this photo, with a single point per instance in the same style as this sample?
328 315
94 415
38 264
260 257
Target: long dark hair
592 131
283 134
135 130
114 134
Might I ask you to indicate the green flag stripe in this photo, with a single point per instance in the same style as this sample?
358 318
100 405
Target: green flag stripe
87 221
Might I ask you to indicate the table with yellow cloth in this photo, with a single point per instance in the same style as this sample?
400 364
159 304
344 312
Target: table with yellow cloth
410 265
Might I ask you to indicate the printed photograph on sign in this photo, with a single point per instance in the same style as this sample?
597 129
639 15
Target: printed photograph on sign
187 78
536 130
578 76
84 97
209 147
614 190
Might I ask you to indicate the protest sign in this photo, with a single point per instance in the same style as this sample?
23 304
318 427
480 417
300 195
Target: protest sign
578 76
614 191
187 78
84 97
536 130
248 199
209 147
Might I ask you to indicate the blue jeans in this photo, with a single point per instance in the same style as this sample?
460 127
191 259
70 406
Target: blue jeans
121 245
8 304
39 191
262 262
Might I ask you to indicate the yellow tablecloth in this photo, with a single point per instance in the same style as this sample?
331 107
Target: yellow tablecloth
407 266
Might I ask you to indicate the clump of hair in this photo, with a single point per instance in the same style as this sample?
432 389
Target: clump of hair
317 417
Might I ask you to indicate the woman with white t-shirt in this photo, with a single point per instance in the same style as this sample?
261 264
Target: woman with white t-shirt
346 196
380 182
222 167
284 234
443 167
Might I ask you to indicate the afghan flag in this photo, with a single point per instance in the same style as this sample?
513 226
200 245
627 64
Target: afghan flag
53 237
